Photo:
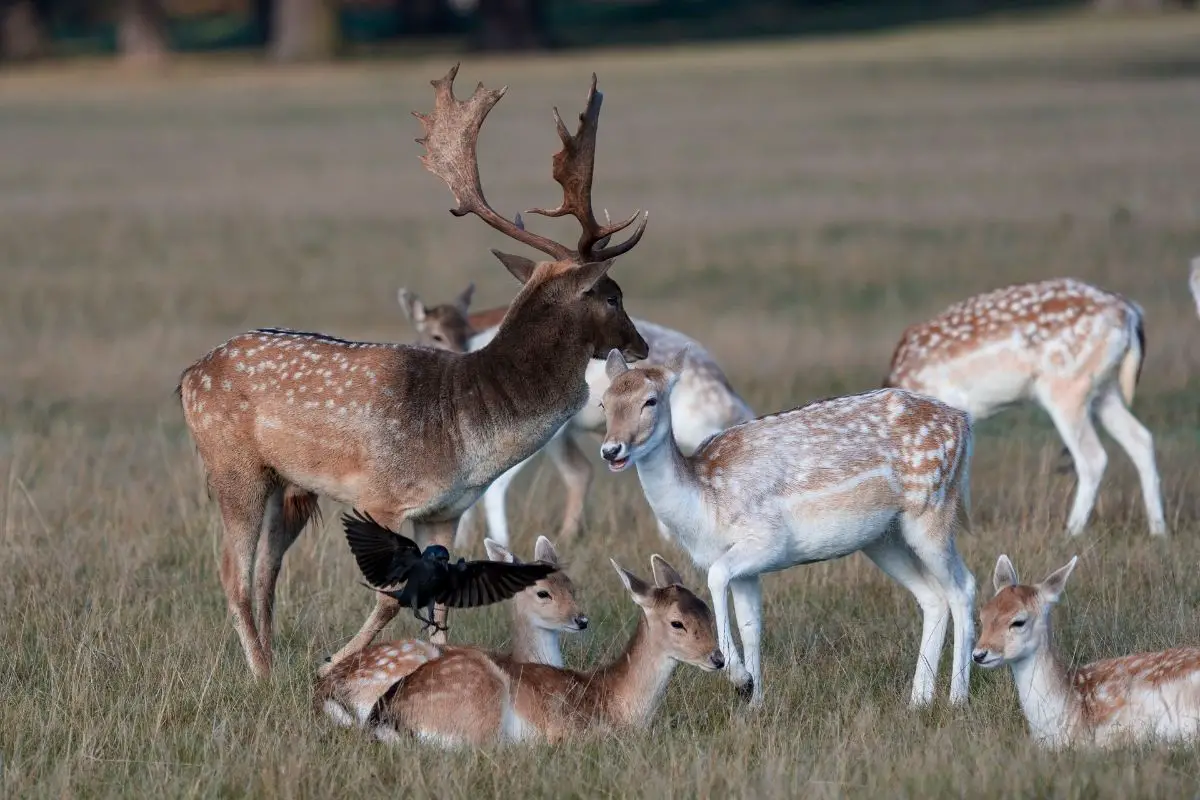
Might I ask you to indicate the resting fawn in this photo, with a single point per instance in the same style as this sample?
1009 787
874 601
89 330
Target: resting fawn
349 690
1139 697
464 697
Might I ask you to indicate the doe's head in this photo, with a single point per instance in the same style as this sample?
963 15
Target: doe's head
637 408
443 327
679 621
1015 623
549 604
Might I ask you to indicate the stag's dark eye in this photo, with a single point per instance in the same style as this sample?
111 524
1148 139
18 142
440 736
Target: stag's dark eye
437 337
676 624
543 594
614 301
653 401
1017 623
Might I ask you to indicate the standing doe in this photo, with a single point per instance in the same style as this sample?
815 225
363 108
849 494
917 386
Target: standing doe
702 404
348 691
405 432
465 697
1074 349
1149 696
884 472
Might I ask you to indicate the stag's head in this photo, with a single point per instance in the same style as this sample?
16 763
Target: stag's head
678 621
637 408
571 286
550 604
443 327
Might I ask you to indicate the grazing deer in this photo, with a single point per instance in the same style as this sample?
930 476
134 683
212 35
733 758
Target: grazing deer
1194 282
464 697
348 691
703 403
884 472
1149 696
406 432
1074 349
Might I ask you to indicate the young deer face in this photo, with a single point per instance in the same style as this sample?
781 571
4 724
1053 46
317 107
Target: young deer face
678 621
550 604
1015 623
443 327
637 409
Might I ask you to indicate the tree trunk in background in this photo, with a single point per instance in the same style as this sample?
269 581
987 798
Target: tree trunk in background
21 35
510 25
304 30
142 31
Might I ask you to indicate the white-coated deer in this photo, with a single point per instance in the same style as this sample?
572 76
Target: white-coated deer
540 614
884 472
702 404
1194 282
1074 349
405 432
1149 696
466 698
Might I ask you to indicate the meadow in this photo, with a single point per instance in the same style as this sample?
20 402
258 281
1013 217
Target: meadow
808 201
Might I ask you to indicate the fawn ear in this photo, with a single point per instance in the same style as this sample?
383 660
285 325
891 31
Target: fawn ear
519 267
1004 575
498 552
615 364
664 574
1052 588
463 301
639 590
543 550
413 308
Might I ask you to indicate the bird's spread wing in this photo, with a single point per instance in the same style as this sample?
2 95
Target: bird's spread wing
383 556
480 583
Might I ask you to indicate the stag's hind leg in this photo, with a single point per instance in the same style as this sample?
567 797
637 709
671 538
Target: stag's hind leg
576 471
243 500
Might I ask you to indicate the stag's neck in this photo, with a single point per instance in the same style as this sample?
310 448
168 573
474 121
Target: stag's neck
633 685
1047 697
672 488
534 645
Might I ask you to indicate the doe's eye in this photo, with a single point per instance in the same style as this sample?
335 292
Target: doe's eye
653 401
543 594
676 624
1017 623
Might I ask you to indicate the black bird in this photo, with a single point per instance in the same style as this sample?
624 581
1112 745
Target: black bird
387 559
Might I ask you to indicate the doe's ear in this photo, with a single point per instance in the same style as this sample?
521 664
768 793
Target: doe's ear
638 589
498 552
664 574
674 364
519 267
1052 588
615 364
1004 575
543 550
463 301
412 306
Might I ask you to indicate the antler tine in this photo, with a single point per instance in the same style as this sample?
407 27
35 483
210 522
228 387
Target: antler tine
573 168
451 136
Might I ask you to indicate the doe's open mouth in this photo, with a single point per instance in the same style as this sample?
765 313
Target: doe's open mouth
618 464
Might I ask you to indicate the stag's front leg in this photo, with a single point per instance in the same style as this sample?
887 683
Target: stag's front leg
427 533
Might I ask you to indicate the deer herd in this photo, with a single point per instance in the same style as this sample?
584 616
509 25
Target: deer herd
422 432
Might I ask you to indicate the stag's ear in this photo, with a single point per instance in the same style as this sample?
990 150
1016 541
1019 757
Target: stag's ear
1004 575
615 364
585 277
463 301
498 552
519 267
543 550
639 590
412 306
664 574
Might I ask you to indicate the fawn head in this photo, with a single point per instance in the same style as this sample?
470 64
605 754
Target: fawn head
1016 621
637 408
550 604
678 621
443 327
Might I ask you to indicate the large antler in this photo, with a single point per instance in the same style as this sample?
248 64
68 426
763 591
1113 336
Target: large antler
573 169
451 134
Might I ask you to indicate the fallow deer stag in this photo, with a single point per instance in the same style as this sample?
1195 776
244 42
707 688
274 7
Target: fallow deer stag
402 432
466 698
704 402
1148 696
1074 349
884 472
540 614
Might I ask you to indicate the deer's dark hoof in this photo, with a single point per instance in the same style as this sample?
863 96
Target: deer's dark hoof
746 690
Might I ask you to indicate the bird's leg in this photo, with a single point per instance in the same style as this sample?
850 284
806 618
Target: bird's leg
427 533
429 620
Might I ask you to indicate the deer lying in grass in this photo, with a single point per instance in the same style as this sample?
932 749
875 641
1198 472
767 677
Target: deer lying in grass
464 697
405 432
348 691
1074 349
703 403
884 472
1149 696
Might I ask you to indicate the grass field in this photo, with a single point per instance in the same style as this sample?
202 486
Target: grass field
807 202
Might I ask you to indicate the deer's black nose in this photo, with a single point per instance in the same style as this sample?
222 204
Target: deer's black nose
611 451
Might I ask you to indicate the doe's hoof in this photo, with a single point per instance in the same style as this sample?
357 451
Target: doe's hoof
746 690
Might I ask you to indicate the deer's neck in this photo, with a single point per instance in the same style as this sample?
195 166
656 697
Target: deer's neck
534 645
1047 697
671 487
633 685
